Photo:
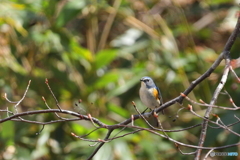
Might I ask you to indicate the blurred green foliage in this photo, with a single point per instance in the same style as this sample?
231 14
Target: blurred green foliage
97 51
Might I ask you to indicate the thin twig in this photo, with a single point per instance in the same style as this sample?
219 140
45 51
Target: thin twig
190 153
135 107
75 114
57 103
179 143
225 54
50 108
90 117
23 97
41 129
6 98
100 145
214 106
206 119
207 154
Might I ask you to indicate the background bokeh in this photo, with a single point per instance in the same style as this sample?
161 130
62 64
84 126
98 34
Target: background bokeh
96 51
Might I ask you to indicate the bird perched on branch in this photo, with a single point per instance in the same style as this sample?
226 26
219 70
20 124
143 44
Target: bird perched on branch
150 95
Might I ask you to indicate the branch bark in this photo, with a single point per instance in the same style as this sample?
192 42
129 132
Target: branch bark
226 55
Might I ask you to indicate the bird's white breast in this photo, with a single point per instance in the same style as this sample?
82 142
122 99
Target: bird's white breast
147 97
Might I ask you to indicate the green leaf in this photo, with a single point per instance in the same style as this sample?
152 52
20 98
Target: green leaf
78 51
104 57
107 78
116 109
8 134
70 11
78 129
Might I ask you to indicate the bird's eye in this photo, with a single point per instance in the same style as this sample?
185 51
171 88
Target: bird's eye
146 80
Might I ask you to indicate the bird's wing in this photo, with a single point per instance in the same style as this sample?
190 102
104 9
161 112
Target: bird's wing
159 96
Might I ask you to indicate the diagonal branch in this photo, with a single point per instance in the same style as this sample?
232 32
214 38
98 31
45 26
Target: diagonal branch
180 98
226 50
101 144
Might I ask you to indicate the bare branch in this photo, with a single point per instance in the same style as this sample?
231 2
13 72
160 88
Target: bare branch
214 106
46 81
191 153
208 154
226 52
101 144
79 116
206 119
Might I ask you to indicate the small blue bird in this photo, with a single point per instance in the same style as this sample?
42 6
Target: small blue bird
150 94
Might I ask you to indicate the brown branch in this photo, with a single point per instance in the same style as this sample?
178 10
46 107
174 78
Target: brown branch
110 128
75 114
179 143
50 108
213 106
226 50
218 119
46 81
154 132
180 98
191 153
101 144
208 154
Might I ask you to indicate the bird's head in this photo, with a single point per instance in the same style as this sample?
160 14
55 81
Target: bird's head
147 81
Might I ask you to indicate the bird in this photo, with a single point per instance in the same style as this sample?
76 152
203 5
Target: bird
150 95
